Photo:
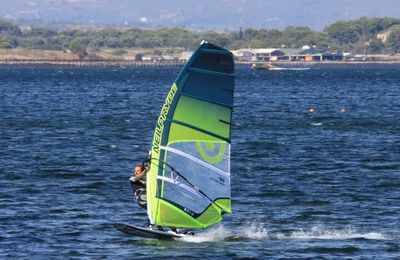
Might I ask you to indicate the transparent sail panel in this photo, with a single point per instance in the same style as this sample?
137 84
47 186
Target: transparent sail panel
207 169
214 154
181 193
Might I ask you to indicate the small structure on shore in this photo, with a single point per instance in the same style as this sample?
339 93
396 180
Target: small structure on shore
290 54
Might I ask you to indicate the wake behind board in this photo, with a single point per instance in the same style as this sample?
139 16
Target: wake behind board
146 232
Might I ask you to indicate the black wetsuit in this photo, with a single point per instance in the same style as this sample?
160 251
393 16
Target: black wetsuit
139 191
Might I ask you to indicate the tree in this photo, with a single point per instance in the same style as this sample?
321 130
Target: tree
217 38
7 28
42 31
376 46
356 33
343 32
5 43
351 35
76 47
393 42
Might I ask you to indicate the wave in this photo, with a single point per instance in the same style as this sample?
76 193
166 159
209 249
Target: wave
320 232
316 124
256 231
212 235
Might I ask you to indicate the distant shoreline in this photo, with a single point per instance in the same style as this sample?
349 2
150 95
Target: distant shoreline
107 58
130 63
92 63
327 63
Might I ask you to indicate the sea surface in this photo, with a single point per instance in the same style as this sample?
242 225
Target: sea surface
315 164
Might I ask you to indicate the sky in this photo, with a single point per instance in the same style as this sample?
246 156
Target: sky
197 14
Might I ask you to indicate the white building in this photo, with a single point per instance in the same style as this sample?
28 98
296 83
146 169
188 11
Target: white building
265 54
243 54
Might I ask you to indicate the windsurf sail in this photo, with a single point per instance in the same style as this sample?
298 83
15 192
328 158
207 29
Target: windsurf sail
188 184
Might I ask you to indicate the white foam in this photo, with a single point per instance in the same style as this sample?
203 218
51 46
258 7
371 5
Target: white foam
316 124
257 231
214 234
320 232
251 230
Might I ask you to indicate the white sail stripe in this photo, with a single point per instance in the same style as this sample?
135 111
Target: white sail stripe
180 184
188 156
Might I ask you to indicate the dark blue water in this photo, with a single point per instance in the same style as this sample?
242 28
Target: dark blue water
322 184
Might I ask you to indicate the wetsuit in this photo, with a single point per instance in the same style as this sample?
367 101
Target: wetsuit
139 190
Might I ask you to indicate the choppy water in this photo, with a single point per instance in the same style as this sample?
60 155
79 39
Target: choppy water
322 184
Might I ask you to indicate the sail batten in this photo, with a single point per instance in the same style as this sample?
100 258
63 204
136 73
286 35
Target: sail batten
214 51
211 72
189 180
207 100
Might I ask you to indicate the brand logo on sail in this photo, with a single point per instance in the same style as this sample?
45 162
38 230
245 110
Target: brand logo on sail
162 118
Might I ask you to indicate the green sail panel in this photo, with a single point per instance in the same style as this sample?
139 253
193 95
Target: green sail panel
189 180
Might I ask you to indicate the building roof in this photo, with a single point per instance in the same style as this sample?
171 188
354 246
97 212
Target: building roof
310 51
291 51
264 50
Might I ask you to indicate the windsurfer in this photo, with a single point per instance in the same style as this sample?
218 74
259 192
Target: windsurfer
138 184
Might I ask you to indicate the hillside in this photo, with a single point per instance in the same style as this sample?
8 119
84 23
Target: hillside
205 14
357 36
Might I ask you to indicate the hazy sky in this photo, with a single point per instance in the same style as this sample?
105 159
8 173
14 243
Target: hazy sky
212 14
